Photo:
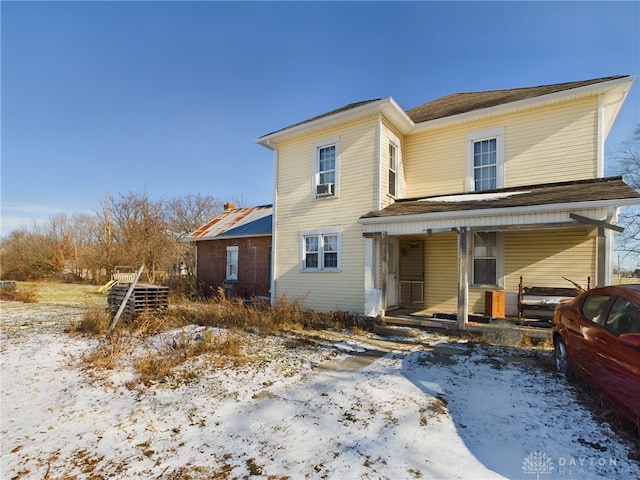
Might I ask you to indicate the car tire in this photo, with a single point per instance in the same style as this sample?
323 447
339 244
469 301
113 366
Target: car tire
561 358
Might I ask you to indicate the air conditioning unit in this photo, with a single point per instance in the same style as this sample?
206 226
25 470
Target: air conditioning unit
324 189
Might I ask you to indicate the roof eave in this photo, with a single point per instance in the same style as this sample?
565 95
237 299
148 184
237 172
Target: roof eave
487 212
551 98
386 106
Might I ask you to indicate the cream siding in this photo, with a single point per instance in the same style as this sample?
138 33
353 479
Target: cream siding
297 210
541 258
544 257
441 267
550 144
387 134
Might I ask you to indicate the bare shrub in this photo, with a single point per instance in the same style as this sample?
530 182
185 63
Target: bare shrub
24 294
95 321
161 365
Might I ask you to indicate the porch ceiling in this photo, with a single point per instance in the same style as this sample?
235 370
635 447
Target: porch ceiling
519 207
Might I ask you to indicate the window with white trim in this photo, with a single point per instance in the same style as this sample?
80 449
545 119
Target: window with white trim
320 250
393 169
325 182
232 263
486 264
485 160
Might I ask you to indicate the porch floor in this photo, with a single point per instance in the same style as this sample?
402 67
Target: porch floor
416 317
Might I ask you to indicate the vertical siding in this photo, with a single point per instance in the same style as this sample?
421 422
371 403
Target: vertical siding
550 144
297 210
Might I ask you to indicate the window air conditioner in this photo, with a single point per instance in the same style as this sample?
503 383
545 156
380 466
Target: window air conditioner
324 189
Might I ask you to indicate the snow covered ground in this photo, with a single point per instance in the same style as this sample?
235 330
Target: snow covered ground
433 409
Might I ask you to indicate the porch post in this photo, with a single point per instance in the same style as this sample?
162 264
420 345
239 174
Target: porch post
604 257
385 271
463 277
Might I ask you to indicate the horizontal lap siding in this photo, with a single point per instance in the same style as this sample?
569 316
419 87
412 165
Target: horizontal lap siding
554 144
296 211
550 144
386 133
543 258
436 162
441 273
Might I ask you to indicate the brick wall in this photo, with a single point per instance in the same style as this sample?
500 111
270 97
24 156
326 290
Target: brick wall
253 265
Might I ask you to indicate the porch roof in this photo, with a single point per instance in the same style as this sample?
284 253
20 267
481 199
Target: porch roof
496 206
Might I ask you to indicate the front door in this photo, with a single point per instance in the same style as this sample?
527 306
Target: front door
392 273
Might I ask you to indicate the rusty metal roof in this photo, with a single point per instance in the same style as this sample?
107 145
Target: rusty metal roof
239 222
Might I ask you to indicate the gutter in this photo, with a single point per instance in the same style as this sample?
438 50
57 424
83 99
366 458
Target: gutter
487 212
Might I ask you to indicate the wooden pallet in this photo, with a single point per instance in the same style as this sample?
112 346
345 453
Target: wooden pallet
143 298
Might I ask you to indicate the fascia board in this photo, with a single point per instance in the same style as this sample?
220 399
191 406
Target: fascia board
526 104
222 237
488 212
387 106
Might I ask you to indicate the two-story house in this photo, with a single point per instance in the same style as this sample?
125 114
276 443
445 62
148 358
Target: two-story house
376 207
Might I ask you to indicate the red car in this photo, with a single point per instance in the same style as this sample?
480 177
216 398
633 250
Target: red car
597 335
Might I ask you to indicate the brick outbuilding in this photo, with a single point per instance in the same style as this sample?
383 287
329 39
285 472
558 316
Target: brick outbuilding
233 252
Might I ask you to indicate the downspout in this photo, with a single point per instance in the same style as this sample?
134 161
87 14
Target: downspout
378 179
273 227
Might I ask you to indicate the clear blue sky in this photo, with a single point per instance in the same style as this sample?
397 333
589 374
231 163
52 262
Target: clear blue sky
169 97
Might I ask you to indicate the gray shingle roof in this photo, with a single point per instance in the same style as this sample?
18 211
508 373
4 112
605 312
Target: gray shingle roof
592 190
458 103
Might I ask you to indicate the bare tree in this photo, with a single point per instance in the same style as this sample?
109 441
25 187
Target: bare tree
184 215
627 163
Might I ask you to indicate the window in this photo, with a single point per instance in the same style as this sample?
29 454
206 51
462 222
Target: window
624 317
393 169
232 263
486 258
325 182
594 306
485 160
321 250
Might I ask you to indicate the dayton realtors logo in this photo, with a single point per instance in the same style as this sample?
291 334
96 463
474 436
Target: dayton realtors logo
537 463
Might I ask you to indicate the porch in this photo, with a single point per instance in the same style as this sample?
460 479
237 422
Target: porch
534 329
444 253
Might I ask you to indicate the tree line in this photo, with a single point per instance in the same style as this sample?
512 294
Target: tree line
128 231
133 230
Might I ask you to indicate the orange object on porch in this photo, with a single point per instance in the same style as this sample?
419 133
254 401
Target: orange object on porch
494 303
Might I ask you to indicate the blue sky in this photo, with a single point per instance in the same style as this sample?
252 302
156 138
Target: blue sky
169 97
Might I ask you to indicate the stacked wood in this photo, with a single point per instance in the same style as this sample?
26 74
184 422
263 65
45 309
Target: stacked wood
143 298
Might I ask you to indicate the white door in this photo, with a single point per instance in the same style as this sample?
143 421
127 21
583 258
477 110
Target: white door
392 273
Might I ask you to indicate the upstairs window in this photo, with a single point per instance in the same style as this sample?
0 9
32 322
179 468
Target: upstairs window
484 165
320 250
326 169
485 160
393 170
232 263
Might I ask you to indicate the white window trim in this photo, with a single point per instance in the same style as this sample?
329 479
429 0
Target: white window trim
316 168
499 261
396 145
228 275
319 232
498 134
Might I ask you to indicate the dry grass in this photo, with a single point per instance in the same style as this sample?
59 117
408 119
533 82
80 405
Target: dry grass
24 294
